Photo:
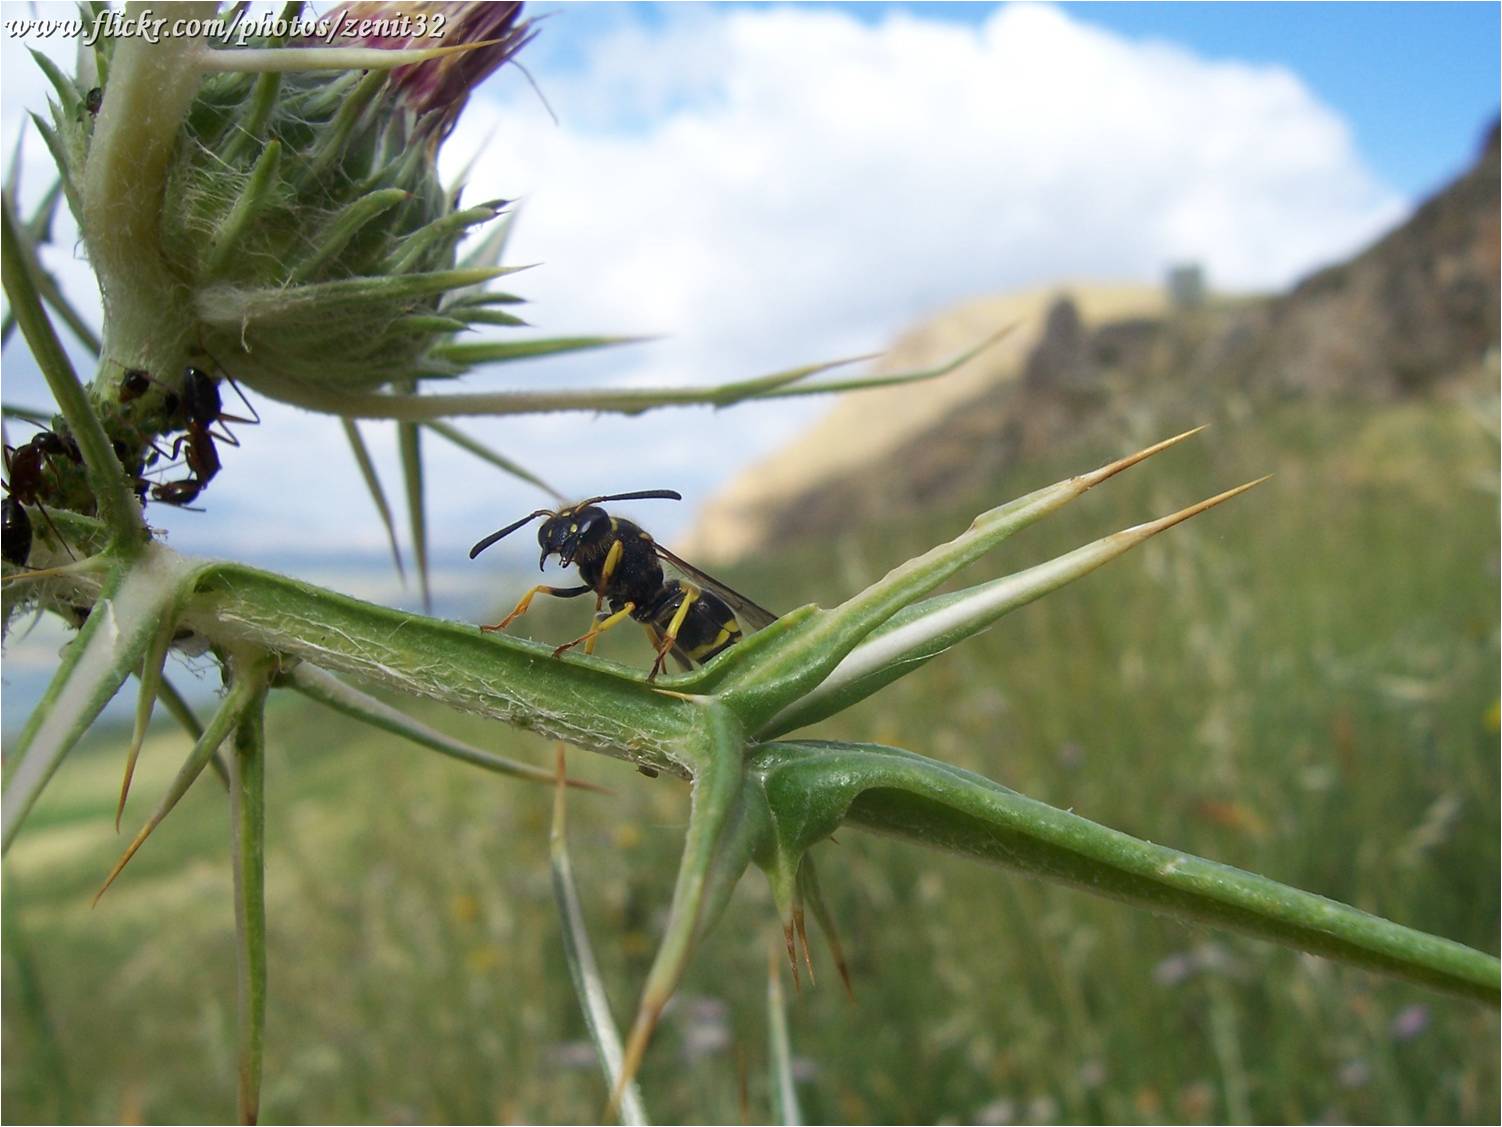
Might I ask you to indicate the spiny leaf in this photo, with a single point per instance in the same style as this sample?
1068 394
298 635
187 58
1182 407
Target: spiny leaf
60 159
814 786
922 631
447 227
774 668
474 353
337 233
377 494
428 324
234 306
489 251
13 169
243 695
482 299
68 93
182 712
252 131
813 896
243 214
716 763
151 677
129 603
480 450
494 317
625 401
39 226
30 414
322 686
409 444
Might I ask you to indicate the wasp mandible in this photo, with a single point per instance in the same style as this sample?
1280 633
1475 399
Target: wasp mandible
620 562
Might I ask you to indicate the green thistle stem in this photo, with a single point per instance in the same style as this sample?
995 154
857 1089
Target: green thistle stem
152 85
106 478
248 842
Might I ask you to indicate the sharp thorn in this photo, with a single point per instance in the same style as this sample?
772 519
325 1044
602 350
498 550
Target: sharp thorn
130 851
808 959
1095 477
1153 527
787 935
636 1049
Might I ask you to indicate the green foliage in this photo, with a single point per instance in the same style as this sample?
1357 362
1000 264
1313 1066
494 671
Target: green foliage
1329 728
212 225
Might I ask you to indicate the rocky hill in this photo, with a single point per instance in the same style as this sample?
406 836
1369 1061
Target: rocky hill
1407 316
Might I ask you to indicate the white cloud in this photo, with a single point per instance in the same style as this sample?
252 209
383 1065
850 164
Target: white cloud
771 186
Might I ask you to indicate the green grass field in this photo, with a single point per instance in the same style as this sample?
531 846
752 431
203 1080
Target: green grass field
1303 684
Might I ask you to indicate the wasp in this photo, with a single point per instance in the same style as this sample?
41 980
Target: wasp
693 619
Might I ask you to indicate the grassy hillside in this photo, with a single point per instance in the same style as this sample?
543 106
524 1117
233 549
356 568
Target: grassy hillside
1303 683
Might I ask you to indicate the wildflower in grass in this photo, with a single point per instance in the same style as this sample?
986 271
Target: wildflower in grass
1355 1073
1410 1022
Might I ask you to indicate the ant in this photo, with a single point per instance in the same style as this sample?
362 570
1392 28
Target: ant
15 525
202 408
136 382
92 103
25 465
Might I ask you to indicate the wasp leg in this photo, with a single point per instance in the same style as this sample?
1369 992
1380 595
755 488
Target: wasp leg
612 558
670 635
526 601
597 629
600 616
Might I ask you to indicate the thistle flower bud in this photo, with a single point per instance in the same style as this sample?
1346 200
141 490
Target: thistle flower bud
436 90
276 208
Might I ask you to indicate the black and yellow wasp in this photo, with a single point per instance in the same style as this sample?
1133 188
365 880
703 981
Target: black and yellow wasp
620 562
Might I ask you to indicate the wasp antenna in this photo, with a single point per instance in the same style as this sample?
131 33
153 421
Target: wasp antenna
507 531
639 495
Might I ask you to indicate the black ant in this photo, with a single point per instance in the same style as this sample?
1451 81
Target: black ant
16 528
92 103
25 466
135 383
202 408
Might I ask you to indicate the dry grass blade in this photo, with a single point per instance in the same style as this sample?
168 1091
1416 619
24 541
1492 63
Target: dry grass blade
583 969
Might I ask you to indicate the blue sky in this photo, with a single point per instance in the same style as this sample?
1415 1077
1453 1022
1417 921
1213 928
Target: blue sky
1417 81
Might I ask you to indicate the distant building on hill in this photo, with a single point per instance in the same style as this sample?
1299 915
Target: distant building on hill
1186 286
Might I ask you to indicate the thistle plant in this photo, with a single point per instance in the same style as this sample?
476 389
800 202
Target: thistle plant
271 211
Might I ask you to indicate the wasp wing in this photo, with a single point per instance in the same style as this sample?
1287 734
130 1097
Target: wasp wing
753 616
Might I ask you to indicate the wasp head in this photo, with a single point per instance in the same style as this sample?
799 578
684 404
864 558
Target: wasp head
565 533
